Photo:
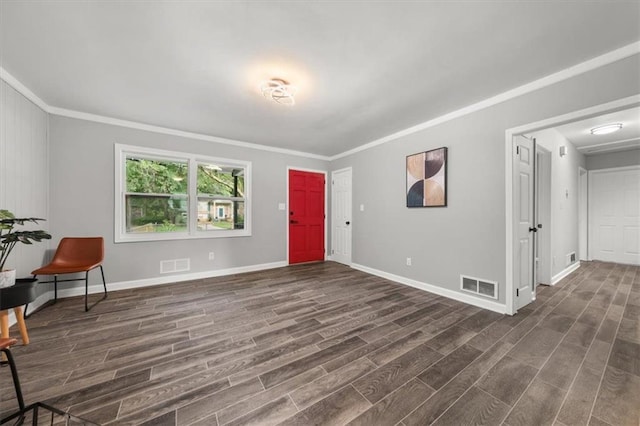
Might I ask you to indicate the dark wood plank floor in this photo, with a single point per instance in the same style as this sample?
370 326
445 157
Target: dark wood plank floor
325 344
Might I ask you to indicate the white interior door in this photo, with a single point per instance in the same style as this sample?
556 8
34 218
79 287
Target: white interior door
341 216
525 225
615 215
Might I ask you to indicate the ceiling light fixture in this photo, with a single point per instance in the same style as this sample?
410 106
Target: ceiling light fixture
606 129
279 90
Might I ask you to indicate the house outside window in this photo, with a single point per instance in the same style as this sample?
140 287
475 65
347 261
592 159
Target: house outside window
221 192
164 195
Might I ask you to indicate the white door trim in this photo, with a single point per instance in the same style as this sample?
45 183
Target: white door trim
302 169
617 105
583 214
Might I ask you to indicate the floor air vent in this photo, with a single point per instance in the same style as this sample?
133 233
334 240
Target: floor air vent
479 286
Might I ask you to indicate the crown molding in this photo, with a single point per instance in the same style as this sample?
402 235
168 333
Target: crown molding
22 89
581 68
181 133
619 145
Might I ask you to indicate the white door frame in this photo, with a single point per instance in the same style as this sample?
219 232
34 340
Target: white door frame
302 169
583 215
613 106
333 204
543 212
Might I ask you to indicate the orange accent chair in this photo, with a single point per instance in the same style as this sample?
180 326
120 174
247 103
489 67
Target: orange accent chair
73 255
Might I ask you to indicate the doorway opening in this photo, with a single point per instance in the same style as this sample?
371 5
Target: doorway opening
564 202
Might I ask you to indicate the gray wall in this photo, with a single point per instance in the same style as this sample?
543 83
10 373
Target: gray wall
564 197
468 236
24 172
82 199
611 160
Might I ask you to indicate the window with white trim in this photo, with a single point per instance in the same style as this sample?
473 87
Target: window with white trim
166 195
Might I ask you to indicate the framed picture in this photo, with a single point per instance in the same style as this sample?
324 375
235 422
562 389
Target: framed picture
427 179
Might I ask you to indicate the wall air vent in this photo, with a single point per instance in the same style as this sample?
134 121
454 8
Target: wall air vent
571 258
174 265
479 286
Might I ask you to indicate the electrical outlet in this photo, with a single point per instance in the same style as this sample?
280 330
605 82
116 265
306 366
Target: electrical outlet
361 207
408 261
212 255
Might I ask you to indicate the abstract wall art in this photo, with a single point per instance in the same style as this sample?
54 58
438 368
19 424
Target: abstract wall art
427 179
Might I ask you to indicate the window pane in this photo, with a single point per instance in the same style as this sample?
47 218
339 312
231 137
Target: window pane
156 213
219 180
156 176
220 215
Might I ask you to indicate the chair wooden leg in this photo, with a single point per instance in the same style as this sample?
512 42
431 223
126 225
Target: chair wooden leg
4 324
4 328
55 288
21 325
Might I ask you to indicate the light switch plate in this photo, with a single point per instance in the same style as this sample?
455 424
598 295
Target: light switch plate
281 206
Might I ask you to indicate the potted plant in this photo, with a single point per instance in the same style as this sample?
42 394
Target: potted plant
9 238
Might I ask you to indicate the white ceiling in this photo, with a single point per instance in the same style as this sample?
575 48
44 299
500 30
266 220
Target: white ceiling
364 69
579 132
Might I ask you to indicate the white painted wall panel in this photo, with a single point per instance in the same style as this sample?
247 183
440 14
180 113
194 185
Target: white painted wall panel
24 170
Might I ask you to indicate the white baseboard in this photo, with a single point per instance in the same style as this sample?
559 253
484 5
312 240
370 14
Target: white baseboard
485 304
147 282
560 275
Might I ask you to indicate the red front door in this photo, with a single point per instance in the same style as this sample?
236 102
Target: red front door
306 216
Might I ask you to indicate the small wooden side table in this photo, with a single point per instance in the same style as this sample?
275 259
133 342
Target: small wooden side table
23 292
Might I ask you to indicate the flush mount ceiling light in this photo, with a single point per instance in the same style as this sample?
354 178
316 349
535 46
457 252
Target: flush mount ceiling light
279 90
607 128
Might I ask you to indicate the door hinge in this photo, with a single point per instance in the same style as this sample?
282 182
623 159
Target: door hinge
518 149
517 292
